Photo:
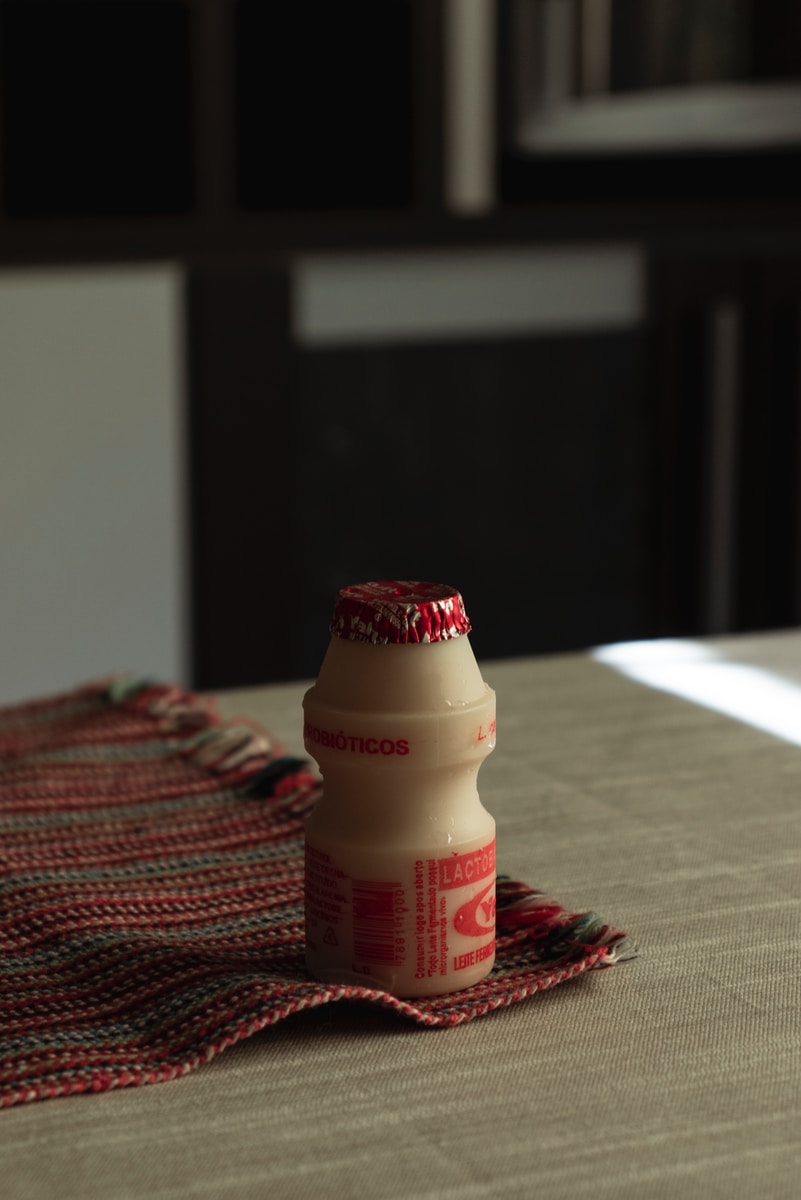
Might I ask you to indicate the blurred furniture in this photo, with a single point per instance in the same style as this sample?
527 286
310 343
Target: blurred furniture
634 481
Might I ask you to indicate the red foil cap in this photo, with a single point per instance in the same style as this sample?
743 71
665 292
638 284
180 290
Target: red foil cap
399 611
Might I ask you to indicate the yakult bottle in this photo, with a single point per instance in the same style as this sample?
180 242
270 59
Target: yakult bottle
400 852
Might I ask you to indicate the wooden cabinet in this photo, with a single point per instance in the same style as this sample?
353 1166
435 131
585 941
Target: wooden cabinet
617 483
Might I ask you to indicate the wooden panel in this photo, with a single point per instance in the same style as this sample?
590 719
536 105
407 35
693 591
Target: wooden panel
518 470
729 471
245 473
685 293
769 569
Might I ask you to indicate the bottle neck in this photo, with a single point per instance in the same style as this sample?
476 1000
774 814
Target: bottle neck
418 677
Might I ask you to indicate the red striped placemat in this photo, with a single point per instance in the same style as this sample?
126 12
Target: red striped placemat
151 896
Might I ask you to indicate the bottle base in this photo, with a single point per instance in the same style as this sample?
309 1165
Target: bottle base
398 984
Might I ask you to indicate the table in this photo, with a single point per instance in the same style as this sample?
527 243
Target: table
677 1074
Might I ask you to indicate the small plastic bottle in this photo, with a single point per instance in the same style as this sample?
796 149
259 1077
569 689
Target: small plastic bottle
400 852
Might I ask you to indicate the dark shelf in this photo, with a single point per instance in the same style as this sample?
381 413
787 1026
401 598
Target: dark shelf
95 109
323 105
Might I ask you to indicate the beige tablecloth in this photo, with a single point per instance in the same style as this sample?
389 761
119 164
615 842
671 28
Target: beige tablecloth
678 1074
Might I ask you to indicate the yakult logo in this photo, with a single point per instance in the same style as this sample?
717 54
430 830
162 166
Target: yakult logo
476 917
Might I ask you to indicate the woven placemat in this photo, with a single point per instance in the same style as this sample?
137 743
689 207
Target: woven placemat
151 896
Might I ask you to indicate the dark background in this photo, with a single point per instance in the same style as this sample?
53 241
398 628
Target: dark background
568 493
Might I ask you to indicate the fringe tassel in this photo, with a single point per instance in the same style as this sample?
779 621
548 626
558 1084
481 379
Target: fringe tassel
221 747
227 747
526 914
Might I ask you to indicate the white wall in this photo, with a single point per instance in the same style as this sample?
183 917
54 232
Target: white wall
403 296
92 558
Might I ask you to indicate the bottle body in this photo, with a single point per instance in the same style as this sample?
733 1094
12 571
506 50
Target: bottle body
400 853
